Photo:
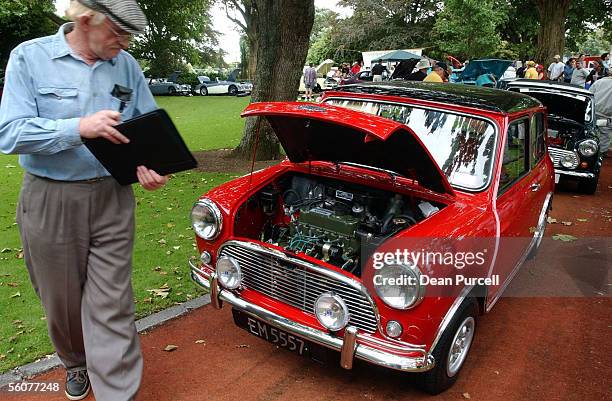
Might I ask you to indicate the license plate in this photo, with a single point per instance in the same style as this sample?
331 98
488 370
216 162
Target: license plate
271 334
557 176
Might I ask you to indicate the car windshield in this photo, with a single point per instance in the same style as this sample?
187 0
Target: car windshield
462 146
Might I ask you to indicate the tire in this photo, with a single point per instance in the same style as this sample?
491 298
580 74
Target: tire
444 374
203 91
588 186
232 90
317 89
171 91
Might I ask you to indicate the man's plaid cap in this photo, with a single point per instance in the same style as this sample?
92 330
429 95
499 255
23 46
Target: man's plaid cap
126 14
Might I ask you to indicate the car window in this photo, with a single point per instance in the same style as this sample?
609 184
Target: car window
537 139
514 162
463 147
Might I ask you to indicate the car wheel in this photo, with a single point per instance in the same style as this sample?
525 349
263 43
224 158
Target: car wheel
171 91
203 91
317 89
232 90
452 349
588 185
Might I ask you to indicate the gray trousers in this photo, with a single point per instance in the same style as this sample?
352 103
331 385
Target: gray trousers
77 242
604 139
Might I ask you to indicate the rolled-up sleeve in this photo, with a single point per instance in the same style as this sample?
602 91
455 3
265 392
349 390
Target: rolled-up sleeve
22 131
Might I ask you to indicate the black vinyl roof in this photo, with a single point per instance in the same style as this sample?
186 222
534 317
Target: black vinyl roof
458 94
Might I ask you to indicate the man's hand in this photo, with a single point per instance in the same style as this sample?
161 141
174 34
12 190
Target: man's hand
149 179
101 125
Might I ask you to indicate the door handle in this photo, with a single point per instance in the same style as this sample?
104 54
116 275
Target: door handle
535 187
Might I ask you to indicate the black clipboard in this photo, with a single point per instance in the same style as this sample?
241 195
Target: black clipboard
154 143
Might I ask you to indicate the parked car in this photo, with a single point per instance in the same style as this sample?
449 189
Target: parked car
209 87
485 72
573 139
293 248
161 86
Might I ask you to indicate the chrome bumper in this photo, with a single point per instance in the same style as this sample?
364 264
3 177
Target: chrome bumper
347 346
575 173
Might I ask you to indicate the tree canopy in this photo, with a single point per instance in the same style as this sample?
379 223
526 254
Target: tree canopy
179 32
469 28
464 28
21 20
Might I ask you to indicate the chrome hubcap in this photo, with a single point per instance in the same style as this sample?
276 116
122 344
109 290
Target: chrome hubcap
460 346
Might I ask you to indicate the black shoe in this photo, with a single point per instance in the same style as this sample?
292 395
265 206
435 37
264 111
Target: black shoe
77 385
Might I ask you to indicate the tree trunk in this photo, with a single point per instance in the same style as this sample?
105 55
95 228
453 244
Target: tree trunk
551 32
283 32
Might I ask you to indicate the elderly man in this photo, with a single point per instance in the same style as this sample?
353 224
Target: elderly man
421 73
602 91
76 222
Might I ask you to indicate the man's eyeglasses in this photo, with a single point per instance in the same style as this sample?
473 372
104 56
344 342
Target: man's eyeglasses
125 37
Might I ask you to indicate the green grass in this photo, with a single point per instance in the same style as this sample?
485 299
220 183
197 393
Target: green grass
207 122
164 239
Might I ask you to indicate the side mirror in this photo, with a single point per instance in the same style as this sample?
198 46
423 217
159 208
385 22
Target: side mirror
603 122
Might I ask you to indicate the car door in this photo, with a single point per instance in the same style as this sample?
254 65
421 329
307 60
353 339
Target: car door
519 197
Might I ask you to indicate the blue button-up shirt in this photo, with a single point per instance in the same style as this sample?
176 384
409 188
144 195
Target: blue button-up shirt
47 89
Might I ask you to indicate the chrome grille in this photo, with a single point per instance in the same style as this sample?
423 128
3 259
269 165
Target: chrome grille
297 285
556 155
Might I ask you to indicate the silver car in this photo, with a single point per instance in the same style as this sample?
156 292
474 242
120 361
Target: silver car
161 86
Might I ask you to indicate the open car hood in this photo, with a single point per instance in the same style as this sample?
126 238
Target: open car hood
560 99
476 68
319 132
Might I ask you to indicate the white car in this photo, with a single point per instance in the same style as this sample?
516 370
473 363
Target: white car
210 87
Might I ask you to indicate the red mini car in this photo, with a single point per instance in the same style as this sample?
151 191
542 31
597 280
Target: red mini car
383 233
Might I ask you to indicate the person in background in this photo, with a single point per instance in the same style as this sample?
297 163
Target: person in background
602 91
447 70
355 68
597 72
531 72
436 75
580 74
520 72
76 222
310 80
556 69
377 71
605 59
541 72
568 70
421 73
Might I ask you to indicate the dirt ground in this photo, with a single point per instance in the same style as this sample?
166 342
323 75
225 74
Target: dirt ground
212 161
526 349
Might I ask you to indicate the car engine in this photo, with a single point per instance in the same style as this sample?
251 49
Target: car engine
332 220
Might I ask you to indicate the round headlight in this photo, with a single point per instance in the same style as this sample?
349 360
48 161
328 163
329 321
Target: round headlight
588 148
567 161
205 257
398 286
228 272
206 219
394 328
331 311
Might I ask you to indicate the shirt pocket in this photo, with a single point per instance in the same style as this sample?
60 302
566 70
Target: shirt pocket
58 103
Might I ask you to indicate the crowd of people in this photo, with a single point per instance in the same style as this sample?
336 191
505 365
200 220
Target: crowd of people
576 70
